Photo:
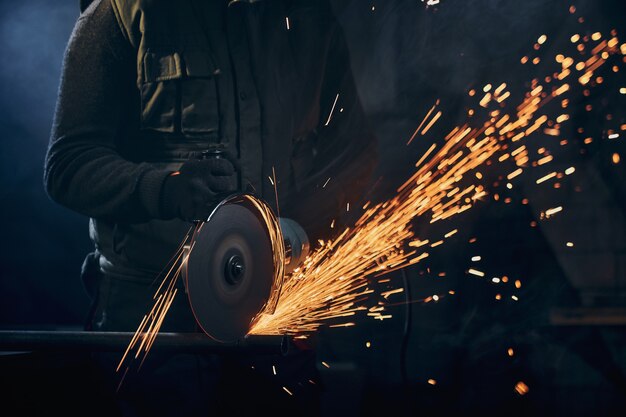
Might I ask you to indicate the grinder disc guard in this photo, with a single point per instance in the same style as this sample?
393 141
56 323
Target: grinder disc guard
230 272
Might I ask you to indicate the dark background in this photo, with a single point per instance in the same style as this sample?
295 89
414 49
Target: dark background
567 330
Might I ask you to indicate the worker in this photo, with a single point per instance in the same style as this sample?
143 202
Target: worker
148 89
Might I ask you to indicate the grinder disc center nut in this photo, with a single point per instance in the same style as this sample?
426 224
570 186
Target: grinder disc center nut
234 269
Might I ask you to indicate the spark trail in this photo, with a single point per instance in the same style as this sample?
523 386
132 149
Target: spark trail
333 281
148 329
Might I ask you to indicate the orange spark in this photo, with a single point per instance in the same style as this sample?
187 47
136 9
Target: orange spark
330 116
431 123
521 388
422 123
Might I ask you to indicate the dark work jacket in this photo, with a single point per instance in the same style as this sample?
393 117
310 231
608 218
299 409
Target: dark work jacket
269 81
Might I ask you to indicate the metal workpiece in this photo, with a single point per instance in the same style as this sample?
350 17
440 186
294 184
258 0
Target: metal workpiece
67 341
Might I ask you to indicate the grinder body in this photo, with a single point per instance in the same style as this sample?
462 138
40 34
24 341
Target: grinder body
235 264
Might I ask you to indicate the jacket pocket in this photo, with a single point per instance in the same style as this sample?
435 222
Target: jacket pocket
159 91
199 100
179 93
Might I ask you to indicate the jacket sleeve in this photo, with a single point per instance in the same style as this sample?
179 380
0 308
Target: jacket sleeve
345 148
84 170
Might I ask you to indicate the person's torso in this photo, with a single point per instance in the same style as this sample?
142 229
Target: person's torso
243 76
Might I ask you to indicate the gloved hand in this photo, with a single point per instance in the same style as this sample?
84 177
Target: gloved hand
296 243
192 192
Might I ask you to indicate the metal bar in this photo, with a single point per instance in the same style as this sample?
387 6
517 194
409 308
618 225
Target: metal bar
27 340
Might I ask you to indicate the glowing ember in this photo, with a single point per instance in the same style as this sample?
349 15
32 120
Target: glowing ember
615 158
330 116
476 272
521 388
550 212
424 121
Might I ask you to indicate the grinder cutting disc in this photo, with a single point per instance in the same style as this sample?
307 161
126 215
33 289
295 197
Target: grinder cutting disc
230 271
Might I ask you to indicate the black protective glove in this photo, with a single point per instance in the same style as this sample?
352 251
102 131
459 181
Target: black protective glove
193 192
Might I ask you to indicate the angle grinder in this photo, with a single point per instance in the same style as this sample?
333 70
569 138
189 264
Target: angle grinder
236 262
